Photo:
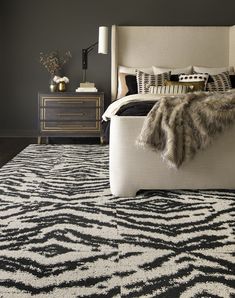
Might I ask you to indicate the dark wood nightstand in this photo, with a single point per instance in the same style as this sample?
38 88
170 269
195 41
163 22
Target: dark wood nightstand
70 114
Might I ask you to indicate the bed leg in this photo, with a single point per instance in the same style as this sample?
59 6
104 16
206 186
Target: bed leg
125 193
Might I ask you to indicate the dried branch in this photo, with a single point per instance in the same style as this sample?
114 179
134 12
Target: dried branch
53 62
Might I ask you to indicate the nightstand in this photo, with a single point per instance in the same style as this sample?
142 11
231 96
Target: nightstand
70 114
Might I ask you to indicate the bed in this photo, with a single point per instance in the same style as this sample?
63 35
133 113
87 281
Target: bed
133 168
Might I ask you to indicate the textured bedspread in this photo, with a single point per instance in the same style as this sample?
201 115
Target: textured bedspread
180 126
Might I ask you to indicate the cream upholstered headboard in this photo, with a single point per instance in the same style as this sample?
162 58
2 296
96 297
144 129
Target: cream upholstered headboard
171 47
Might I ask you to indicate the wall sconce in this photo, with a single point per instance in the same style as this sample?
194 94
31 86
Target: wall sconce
102 49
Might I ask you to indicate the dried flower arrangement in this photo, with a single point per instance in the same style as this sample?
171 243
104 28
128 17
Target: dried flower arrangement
53 62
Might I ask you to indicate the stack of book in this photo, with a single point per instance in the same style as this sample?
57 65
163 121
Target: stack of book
87 87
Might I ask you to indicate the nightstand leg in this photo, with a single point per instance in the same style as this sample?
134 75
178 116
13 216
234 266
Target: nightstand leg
39 140
47 140
102 140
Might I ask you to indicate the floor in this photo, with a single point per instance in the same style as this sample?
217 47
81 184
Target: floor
10 147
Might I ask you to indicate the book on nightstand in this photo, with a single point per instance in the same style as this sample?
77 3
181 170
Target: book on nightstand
87 87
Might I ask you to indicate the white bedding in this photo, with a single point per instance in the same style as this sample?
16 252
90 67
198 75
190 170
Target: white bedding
117 104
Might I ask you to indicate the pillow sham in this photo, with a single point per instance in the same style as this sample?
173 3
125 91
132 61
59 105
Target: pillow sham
171 89
193 86
211 70
144 80
122 86
232 79
174 71
124 71
131 83
132 70
221 82
127 85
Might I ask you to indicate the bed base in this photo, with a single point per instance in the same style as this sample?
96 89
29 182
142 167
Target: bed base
133 168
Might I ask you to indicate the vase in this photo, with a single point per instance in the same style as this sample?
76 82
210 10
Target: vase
62 86
52 85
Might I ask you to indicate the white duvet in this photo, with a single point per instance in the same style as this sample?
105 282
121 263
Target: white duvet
117 104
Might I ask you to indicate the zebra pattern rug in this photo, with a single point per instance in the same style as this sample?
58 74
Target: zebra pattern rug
62 234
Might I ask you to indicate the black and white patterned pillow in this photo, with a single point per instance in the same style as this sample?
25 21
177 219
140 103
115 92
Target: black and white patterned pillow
196 77
221 82
145 80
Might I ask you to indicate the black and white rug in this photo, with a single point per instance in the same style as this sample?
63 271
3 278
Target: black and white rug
62 234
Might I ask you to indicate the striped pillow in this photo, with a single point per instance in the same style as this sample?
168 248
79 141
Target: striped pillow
174 89
193 86
221 82
144 80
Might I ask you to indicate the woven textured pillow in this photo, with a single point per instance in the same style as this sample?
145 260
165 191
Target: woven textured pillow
221 82
193 86
174 89
144 80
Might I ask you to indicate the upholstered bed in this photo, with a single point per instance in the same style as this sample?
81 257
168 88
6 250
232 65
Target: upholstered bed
133 168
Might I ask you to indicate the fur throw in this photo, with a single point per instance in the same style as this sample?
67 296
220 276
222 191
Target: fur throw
180 126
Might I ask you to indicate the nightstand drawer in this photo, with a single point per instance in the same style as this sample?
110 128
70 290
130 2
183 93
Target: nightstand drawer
68 113
70 126
75 102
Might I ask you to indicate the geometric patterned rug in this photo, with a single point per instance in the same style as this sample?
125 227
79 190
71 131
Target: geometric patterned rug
62 233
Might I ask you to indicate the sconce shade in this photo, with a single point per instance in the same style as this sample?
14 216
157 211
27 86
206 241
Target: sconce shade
103 40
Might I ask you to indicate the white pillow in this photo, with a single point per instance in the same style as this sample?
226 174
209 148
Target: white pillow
212 70
132 70
174 71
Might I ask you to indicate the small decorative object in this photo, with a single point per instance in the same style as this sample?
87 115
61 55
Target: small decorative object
62 87
53 87
61 83
54 62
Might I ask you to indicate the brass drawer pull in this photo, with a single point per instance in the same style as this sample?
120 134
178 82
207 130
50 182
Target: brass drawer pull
71 114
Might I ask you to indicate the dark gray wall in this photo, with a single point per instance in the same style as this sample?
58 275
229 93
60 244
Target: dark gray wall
31 26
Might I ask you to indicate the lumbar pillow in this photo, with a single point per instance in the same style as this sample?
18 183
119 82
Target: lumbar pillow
212 70
221 82
174 89
193 86
174 71
144 80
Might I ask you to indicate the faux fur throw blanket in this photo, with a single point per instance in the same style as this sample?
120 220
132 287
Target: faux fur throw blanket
182 125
